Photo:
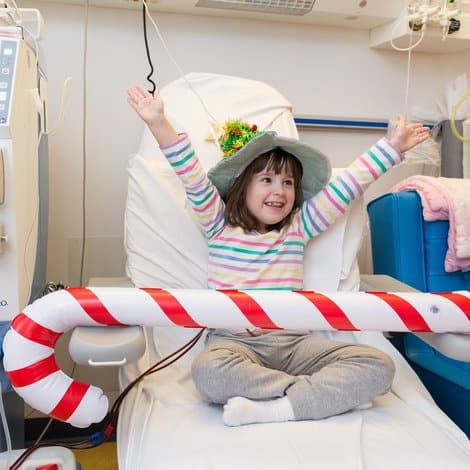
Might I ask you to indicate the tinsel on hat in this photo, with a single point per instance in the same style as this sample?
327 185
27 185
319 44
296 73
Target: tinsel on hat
235 135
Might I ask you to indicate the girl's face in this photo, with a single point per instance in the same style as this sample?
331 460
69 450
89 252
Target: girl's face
270 197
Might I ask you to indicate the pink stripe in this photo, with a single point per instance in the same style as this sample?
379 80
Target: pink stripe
188 168
366 164
210 203
326 192
181 137
235 267
215 220
278 281
241 241
273 280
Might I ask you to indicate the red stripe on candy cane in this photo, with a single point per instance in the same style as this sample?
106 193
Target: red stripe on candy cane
93 306
70 401
330 311
251 309
34 372
461 301
33 331
172 308
408 314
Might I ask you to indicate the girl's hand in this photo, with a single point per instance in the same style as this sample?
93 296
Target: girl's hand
407 135
148 107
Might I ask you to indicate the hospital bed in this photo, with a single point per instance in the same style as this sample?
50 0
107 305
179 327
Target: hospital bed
164 423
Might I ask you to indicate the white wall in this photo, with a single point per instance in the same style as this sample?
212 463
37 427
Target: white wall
323 71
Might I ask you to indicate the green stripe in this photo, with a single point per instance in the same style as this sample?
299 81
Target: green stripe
183 160
242 250
202 201
377 160
339 193
304 223
293 244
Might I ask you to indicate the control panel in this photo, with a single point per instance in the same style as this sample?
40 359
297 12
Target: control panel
8 53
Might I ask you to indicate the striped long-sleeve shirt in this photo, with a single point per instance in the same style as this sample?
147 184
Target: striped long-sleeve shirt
273 260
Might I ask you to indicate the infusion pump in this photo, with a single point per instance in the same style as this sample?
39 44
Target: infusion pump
19 202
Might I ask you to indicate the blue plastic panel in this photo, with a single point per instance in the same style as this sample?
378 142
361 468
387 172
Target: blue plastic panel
409 249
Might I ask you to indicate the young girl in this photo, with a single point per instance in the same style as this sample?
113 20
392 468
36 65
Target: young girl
259 207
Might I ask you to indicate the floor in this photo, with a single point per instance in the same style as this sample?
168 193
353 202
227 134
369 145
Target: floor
103 457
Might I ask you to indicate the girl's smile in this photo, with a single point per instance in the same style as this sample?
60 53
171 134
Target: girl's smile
270 197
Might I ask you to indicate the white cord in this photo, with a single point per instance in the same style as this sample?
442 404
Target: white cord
6 430
408 78
63 105
84 140
35 185
410 47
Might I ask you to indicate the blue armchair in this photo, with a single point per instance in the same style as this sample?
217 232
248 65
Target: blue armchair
412 250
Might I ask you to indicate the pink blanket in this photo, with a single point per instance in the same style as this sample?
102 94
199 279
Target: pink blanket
446 199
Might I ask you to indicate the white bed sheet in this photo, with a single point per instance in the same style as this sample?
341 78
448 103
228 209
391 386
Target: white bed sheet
164 424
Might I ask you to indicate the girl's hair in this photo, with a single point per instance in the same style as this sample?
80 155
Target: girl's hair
236 210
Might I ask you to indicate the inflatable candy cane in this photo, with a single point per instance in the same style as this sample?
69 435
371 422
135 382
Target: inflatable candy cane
29 344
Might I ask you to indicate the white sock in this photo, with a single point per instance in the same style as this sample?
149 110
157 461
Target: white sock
239 410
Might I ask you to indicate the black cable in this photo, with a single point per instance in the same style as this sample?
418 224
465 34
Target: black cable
147 50
114 412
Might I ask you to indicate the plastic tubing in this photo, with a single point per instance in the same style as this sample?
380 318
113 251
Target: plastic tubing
466 149
453 116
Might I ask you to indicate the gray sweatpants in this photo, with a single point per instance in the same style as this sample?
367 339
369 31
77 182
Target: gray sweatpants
321 377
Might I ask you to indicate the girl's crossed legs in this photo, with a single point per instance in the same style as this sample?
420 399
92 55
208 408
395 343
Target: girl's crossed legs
314 377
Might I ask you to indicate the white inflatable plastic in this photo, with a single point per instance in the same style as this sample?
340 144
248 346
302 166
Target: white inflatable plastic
29 344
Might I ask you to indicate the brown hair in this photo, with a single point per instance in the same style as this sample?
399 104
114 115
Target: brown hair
236 211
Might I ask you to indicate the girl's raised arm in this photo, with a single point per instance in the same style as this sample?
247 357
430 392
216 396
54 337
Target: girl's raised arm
151 110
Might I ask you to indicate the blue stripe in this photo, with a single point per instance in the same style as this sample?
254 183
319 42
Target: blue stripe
389 157
312 222
346 187
360 124
341 122
178 152
196 193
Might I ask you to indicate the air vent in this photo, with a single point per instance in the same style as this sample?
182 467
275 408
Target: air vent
281 7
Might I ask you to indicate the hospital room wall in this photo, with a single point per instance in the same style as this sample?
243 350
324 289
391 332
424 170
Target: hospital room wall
323 71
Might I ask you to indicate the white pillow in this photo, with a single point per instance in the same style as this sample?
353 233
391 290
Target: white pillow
164 243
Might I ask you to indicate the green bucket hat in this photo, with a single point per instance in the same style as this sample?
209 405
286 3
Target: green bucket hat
316 166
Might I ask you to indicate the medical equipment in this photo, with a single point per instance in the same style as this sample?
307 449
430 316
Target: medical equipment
47 458
23 175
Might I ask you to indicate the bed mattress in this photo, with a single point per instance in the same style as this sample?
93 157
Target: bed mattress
165 425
